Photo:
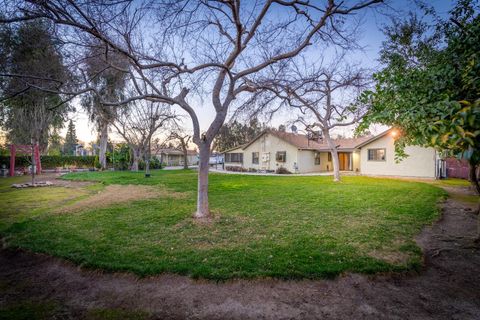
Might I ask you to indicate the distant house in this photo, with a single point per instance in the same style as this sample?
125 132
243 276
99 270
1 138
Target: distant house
174 157
80 151
298 153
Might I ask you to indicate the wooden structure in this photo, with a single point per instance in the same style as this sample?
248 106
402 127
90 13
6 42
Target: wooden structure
28 149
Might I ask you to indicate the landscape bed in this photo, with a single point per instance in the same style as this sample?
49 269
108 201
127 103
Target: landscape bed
263 226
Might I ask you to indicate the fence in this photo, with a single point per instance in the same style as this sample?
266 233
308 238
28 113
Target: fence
457 168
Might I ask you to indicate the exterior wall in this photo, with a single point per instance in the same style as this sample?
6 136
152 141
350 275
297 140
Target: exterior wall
192 159
234 164
173 159
356 161
270 144
306 161
420 163
176 159
325 165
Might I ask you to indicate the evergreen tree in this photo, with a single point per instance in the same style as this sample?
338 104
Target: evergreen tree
70 139
27 112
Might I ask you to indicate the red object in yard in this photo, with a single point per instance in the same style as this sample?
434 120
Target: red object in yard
14 149
457 168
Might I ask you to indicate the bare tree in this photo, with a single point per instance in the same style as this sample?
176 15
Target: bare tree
327 94
183 139
192 44
138 124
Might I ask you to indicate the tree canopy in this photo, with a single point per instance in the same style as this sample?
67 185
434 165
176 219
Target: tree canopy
236 133
430 87
28 110
70 139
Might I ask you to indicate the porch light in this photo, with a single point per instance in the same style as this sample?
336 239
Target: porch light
394 133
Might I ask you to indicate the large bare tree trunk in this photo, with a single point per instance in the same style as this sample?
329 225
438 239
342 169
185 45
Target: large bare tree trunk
102 153
136 159
147 161
185 158
473 176
334 153
147 167
202 192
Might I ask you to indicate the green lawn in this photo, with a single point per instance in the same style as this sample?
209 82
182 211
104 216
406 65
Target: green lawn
285 227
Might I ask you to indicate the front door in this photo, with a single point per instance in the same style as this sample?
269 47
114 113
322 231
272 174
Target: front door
344 159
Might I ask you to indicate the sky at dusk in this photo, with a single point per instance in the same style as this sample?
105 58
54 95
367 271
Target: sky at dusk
371 39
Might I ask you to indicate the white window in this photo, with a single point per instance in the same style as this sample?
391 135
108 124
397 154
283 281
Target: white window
376 154
281 156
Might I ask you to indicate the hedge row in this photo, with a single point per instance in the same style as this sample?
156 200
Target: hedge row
50 162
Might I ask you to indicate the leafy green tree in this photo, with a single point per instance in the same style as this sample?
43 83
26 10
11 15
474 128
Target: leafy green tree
109 82
55 143
235 133
430 86
120 156
29 111
70 139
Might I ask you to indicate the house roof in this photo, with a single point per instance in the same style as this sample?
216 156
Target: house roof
234 148
373 138
302 142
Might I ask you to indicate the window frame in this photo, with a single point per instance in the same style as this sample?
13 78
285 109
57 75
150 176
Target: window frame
238 155
281 153
329 156
317 160
255 157
376 159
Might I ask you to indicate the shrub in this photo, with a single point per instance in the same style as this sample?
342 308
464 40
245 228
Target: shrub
155 163
282 170
51 162
96 163
236 169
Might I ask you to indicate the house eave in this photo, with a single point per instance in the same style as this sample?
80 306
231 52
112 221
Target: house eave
328 150
374 138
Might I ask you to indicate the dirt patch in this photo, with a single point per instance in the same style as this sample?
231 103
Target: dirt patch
115 194
70 183
447 288
55 179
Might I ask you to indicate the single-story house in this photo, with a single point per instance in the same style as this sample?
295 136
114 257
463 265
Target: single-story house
298 153
174 157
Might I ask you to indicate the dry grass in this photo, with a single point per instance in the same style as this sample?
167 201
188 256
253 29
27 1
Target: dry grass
116 194
390 256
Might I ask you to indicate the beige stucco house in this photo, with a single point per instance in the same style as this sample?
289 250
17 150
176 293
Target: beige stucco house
368 155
